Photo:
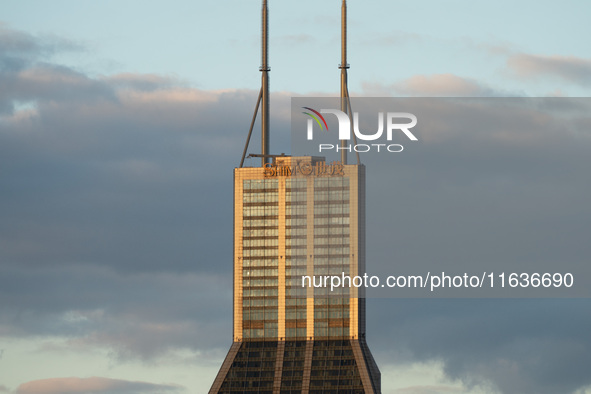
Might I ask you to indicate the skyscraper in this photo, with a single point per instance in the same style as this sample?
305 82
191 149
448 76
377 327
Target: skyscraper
297 217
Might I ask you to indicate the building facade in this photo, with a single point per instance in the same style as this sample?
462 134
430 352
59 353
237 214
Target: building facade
294 218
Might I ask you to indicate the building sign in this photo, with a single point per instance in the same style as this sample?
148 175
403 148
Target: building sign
335 168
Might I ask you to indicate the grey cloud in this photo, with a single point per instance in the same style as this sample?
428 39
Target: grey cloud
117 221
502 186
509 346
142 82
93 385
143 316
486 185
50 83
27 76
568 68
102 180
132 182
116 209
428 390
19 49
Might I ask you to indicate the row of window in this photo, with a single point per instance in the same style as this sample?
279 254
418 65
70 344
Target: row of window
297 272
296 292
259 242
333 209
301 231
266 197
295 332
295 314
259 263
296 241
331 182
299 253
338 313
333 261
260 292
324 220
270 210
294 282
331 250
260 272
260 282
331 301
334 230
331 194
293 203
260 302
337 292
296 182
296 221
331 331
334 241
336 252
296 210
250 184
258 314
259 333
323 235
296 196
264 232
272 222
296 260
336 270
271 251
295 301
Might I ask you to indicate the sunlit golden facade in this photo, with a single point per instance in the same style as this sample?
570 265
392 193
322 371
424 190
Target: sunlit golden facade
295 217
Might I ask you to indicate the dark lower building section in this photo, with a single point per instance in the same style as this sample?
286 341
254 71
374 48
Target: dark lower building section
299 367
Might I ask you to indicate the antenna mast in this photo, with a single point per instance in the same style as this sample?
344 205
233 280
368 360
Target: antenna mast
344 66
345 99
265 85
263 94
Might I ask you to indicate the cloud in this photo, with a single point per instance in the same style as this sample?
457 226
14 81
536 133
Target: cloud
121 194
437 85
116 206
568 68
135 316
509 346
93 385
429 390
20 49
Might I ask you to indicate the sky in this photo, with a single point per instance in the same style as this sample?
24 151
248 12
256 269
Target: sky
121 123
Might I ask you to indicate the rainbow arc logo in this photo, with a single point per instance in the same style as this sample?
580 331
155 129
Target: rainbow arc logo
315 116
